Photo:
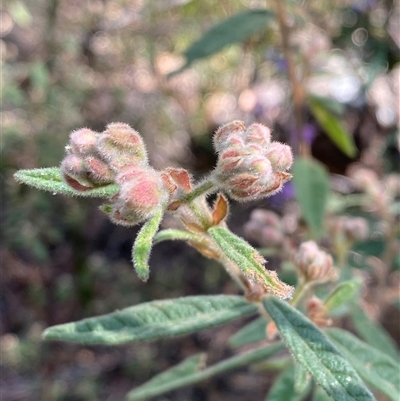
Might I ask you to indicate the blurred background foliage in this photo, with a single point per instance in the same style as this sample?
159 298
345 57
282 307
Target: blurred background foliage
68 64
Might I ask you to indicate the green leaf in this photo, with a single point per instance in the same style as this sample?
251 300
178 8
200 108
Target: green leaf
301 378
235 29
252 332
373 366
320 395
168 380
178 376
373 333
143 243
249 261
343 293
332 126
311 183
310 347
283 388
50 179
154 320
175 234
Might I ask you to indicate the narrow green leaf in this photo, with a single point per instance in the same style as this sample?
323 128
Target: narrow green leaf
153 387
168 380
343 293
250 262
50 179
332 126
174 234
311 348
373 333
252 332
236 28
311 183
375 367
154 320
283 388
143 243
320 395
302 380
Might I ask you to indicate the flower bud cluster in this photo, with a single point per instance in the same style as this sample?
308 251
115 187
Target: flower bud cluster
117 155
354 228
314 265
264 227
250 166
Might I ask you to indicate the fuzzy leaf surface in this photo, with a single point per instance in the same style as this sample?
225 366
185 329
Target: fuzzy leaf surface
143 244
284 388
177 376
154 320
234 29
373 333
311 183
310 347
343 293
332 126
250 262
50 179
252 332
373 366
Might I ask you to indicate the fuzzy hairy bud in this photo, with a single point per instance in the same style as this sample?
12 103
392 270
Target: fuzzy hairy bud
142 192
83 141
314 264
120 145
250 166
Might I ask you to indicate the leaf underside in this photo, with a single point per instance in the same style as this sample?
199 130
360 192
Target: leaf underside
154 320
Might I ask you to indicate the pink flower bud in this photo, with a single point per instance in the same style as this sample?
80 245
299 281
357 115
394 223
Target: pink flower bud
142 191
98 171
265 218
259 134
126 137
234 129
75 174
314 264
249 166
280 156
120 145
83 141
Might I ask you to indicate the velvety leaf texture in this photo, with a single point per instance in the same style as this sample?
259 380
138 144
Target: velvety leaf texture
250 262
310 347
311 183
143 244
236 28
375 367
50 179
178 376
154 320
